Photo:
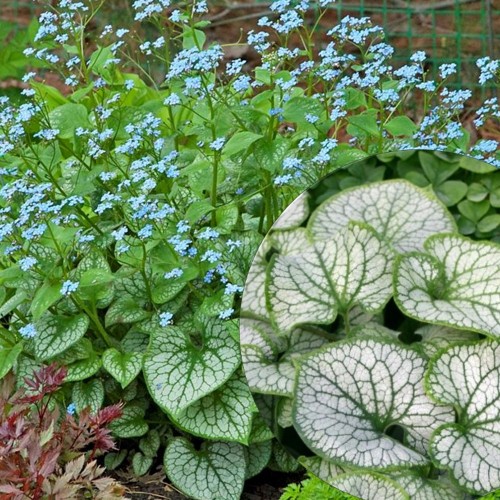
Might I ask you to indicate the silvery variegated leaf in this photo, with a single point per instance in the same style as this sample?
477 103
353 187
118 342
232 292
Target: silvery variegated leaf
333 276
401 213
225 413
456 283
348 394
268 358
284 411
291 242
55 334
257 457
436 337
295 214
321 467
421 488
253 301
123 367
131 423
375 331
178 372
216 471
468 377
369 486
88 394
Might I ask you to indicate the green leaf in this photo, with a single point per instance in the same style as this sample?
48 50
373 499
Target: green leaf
329 278
369 486
113 460
217 471
476 166
473 211
451 192
197 210
178 372
123 367
456 283
226 413
403 214
401 125
268 357
240 142
282 460
8 356
257 457
88 394
364 124
56 333
296 108
253 302
320 467
467 377
421 488
131 423
437 337
8 306
67 118
83 368
150 443
477 192
436 168
46 295
346 395
489 223
226 217
141 464
296 213
125 310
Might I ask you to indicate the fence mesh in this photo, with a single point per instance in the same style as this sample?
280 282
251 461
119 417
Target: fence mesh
458 31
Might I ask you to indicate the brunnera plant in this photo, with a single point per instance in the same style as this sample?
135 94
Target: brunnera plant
378 343
131 208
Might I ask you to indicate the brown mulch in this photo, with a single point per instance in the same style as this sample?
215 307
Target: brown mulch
266 486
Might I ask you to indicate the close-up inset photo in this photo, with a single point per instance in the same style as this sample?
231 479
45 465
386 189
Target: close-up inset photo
370 328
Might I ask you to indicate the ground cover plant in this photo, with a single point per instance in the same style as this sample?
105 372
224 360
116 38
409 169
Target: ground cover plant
376 342
131 209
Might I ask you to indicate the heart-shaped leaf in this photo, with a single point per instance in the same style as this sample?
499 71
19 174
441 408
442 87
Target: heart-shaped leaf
349 394
257 455
226 413
88 394
467 377
126 310
123 367
8 356
456 283
83 368
369 486
178 372
267 357
331 277
55 334
131 423
401 213
216 471
141 464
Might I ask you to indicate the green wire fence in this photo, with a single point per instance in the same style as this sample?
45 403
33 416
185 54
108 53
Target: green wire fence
458 31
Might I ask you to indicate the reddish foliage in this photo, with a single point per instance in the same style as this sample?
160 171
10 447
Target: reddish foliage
40 449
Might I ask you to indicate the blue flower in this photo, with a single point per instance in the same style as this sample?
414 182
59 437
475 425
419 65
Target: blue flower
68 287
217 144
166 318
71 409
28 331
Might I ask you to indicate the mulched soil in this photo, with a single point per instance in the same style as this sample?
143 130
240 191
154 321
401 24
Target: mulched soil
266 486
